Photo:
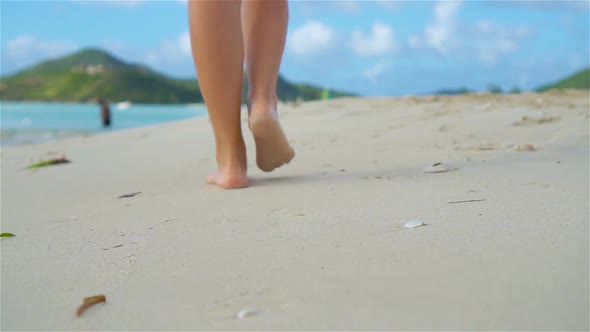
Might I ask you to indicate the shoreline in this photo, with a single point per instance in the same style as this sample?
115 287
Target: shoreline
95 103
29 123
20 137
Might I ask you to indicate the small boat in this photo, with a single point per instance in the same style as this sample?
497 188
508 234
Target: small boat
123 105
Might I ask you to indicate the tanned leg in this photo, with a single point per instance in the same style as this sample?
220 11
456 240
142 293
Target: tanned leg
264 25
216 38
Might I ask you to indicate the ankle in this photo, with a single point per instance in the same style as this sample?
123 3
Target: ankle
268 100
233 163
231 156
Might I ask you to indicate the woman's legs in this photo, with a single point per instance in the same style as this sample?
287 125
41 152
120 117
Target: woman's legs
264 25
216 38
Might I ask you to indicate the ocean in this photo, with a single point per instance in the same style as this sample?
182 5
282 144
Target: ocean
32 122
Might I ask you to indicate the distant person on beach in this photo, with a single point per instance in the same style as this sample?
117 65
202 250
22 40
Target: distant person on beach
105 112
224 35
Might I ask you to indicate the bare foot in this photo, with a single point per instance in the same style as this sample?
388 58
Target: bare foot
272 148
228 178
231 167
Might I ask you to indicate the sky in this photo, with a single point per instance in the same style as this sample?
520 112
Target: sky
373 48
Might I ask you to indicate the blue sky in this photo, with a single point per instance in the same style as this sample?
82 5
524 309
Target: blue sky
374 48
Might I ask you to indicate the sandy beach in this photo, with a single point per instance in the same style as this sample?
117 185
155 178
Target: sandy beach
318 244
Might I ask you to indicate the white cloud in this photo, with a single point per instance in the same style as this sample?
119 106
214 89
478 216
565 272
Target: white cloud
377 70
490 51
28 47
379 41
440 34
313 38
494 40
486 41
26 50
171 51
184 42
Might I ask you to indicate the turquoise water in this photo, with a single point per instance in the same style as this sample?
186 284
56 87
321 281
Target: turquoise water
29 122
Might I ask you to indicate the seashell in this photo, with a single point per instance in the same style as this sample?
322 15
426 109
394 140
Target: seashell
524 147
437 168
245 313
414 224
487 107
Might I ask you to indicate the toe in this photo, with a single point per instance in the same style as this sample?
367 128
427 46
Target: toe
211 178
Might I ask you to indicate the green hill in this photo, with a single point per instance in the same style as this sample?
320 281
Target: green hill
91 74
579 80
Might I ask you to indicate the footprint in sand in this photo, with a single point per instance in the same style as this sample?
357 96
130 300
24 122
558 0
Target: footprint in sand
376 135
481 147
530 121
438 168
398 126
539 184
286 212
488 107
524 147
248 303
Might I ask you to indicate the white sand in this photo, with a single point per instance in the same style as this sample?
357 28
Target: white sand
318 244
